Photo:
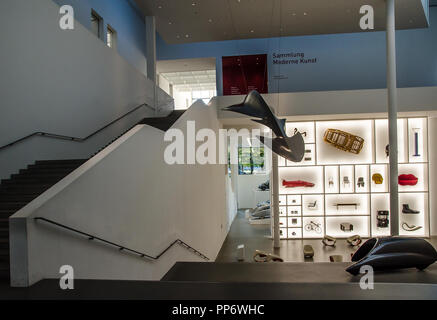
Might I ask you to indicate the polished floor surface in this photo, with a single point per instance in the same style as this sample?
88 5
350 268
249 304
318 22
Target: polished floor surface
257 237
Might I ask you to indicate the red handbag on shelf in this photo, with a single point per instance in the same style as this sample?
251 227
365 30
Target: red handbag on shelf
407 180
297 183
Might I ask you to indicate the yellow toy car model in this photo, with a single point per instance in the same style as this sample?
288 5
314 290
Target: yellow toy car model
344 141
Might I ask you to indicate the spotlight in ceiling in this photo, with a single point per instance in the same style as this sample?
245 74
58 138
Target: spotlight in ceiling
305 14
159 7
187 36
193 4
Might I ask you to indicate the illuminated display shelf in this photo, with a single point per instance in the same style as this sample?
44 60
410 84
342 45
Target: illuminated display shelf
313 212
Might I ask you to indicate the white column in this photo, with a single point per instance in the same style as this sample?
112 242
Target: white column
274 184
392 116
151 55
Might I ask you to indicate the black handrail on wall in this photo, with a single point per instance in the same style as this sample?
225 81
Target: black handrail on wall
122 248
63 137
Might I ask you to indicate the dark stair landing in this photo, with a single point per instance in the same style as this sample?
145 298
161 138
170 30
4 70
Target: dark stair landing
164 123
22 188
301 272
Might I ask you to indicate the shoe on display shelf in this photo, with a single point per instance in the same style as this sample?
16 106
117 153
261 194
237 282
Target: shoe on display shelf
407 210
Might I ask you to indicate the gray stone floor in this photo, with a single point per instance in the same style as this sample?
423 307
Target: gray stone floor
256 237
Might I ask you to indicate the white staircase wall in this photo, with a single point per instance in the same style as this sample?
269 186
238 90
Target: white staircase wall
127 194
66 82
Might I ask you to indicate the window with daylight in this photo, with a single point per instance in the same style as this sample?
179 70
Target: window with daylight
251 161
111 37
96 24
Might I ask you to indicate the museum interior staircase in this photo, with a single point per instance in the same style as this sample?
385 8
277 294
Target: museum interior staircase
28 184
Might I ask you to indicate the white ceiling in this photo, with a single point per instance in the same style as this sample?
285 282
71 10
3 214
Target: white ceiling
183 21
189 74
192 80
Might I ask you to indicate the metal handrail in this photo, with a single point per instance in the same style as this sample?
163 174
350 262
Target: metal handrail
75 139
123 248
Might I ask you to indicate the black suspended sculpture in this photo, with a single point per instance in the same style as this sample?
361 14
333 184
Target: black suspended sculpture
392 253
291 148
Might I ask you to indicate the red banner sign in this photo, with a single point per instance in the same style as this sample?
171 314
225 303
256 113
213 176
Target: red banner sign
242 74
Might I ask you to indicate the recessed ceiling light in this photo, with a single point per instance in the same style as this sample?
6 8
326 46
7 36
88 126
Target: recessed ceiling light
159 7
187 36
293 13
209 20
178 36
252 31
305 13
170 22
193 4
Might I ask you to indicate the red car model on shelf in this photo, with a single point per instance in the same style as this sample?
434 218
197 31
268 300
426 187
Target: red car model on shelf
296 183
407 180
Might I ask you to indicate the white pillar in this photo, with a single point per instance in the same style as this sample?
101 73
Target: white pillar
151 55
392 116
274 184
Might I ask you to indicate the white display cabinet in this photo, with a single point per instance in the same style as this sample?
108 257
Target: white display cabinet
327 154
353 189
417 202
362 181
311 174
418 140
313 205
347 179
332 179
379 202
381 140
313 227
383 170
360 226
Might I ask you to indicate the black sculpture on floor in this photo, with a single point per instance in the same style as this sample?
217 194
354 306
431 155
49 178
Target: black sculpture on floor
392 253
291 148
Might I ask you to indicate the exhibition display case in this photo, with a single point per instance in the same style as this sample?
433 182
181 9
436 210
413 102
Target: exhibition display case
341 187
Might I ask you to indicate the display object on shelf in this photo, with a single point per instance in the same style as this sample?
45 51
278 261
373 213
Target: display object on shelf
290 148
338 205
329 241
313 226
264 186
407 180
391 253
416 142
365 191
346 182
377 178
382 220
336 258
410 228
312 205
346 227
297 183
354 240
407 210
344 141
261 256
308 251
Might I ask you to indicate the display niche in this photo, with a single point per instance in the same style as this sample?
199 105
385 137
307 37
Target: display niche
341 187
